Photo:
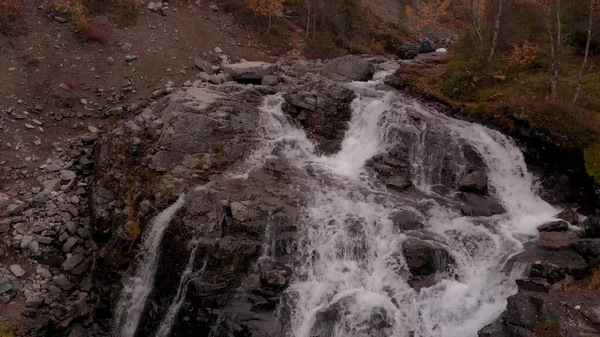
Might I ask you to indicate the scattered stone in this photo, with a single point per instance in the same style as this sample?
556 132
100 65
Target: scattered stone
153 6
66 175
17 270
249 70
51 185
187 83
126 47
300 68
25 241
270 80
63 282
218 50
204 65
93 129
204 76
348 68
214 8
68 245
5 286
215 79
43 272
110 61
72 262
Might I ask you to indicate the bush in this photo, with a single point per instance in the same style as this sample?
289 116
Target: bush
11 16
92 33
524 55
73 11
566 124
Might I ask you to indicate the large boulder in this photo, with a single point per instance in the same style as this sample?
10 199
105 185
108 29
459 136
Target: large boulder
396 80
408 51
249 71
551 265
424 260
476 205
334 318
475 182
589 249
552 314
348 68
591 227
323 108
204 66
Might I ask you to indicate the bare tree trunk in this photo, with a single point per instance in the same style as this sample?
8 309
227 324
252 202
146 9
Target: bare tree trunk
269 28
314 19
558 57
475 21
307 18
496 29
587 50
552 56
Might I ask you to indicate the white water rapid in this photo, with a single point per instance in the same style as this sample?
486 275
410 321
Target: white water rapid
137 287
350 253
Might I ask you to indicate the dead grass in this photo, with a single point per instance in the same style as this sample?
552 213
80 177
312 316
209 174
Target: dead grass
11 16
8 329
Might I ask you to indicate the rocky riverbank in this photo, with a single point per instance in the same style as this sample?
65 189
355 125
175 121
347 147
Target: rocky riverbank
72 236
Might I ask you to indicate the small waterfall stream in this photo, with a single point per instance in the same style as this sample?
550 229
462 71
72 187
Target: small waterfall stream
137 287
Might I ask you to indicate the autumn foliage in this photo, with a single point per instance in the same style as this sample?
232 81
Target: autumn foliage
524 55
265 8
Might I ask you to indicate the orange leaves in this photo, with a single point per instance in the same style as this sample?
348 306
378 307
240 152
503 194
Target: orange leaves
265 7
524 55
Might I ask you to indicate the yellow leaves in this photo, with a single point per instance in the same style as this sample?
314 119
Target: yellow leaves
74 10
265 7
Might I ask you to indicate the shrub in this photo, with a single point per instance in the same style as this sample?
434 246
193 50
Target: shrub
568 125
72 85
92 33
73 11
524 55
11 16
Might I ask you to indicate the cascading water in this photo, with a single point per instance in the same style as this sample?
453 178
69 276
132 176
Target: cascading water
351 278
137 287
350 257
164 328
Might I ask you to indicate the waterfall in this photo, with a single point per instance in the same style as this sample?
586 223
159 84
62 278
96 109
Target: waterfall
350 260
137 287
167 322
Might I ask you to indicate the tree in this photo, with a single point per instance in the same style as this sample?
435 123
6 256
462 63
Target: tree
265 8
548 7
476 11
587 50
496 32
